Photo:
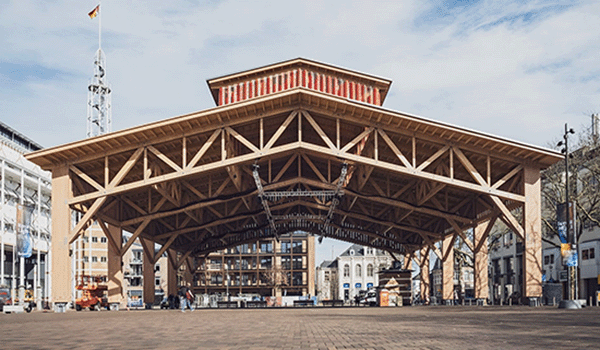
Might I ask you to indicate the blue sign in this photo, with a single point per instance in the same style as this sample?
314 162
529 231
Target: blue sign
572 259
357 285
369 285
346 285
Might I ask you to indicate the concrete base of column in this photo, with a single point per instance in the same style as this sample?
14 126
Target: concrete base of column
569 304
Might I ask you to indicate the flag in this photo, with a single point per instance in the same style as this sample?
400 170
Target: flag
24 244
94 12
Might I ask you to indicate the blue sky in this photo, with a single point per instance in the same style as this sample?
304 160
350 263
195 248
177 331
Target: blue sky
516 69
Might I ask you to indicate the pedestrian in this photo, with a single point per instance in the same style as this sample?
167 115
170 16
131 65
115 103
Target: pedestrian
186 297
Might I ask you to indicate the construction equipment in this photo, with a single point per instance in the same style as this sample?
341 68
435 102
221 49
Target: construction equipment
93 294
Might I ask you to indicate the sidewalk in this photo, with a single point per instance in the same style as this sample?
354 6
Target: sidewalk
307 328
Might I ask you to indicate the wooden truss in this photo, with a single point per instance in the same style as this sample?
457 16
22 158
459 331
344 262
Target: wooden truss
403 189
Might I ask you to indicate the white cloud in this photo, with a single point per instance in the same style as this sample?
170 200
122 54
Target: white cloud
519 70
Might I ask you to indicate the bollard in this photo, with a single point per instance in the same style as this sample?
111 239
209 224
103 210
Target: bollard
510 302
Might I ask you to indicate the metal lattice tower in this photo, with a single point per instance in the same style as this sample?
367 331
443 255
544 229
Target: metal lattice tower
99 116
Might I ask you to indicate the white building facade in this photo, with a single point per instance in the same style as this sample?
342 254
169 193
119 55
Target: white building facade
25 184
358 269
327 280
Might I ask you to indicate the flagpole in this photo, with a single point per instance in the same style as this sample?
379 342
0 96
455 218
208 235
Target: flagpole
99 27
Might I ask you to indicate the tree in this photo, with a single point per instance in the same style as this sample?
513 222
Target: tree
584 181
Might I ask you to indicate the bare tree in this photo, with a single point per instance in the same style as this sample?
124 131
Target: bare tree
584 180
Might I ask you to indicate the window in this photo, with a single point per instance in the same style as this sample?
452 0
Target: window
265 263
584 254
546 259
102 239
358 270
157 282
94 259
297 262
326 276
346 270
103 259
551 259
370 270
85 259
266 247
592 255
157 268
94 239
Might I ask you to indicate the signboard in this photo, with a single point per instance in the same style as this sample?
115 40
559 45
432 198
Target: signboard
357 285
563 276
346 285
568 252
370 285
24 243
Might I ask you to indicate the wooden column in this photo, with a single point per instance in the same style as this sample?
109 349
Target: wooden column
188 266
148 271
482 288
425 284
448 268
61 233
407 263
310 240
115 267
532 255
171 272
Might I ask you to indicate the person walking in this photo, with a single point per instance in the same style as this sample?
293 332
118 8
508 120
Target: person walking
187 298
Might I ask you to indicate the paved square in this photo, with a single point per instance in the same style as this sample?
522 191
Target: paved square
307 328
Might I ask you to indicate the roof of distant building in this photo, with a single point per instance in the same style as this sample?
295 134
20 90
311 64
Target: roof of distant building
14 138
328 264
359 250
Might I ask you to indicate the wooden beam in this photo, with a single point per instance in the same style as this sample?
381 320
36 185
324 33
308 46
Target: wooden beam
319 131
85 177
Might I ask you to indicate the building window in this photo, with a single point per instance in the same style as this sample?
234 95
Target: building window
592 255
85 259
346 270
358 270
103 259
370 270
94 239
102 239
157 282
326 276
266 247
546 259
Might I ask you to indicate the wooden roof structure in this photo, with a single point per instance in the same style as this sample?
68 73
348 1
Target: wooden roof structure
305 156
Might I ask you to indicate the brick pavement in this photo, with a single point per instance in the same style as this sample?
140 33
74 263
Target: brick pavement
307 328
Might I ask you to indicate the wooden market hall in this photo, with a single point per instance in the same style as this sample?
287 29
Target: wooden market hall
296 145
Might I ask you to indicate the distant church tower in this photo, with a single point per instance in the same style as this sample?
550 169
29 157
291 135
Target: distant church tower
99 116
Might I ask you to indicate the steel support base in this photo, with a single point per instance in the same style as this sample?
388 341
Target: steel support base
569 304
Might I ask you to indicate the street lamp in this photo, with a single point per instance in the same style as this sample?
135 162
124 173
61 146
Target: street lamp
572 268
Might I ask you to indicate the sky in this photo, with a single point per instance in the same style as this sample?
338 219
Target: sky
515 69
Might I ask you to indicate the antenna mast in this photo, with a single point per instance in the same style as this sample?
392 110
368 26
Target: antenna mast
99 116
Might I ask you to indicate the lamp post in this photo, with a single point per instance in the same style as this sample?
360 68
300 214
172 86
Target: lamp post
572 268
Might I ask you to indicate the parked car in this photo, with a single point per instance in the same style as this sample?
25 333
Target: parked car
370 298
